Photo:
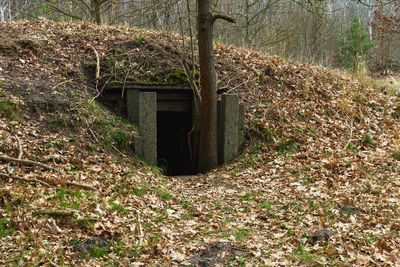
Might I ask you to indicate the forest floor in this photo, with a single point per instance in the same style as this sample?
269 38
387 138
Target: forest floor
317 183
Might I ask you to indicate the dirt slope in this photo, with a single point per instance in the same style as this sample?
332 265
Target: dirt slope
321 155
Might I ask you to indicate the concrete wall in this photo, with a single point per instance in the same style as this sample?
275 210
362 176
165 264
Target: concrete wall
142 111
230 127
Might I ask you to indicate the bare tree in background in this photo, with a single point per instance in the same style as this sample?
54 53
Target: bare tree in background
11 9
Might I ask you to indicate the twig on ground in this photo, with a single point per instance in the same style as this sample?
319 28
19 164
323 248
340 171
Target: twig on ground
80 185
351 134
97 74
116 149
19 147
101 91
97 62
33 180
237 86
226 87
140 230
90 131
10 167
93 135
61 83
31 162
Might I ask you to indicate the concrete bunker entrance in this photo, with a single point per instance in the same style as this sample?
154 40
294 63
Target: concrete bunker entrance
164 117
174 122
173 151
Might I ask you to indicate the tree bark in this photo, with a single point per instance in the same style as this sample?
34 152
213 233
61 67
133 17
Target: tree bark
208 157
96 11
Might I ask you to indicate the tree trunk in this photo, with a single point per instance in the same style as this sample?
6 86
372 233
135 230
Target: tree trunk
208 158
96 11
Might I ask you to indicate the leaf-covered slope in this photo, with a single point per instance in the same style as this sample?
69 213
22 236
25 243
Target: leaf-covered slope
322 154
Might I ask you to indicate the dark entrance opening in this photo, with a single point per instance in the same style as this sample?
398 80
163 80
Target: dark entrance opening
173 153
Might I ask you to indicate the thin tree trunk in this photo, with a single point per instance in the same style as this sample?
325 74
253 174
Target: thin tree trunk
96 11
208 158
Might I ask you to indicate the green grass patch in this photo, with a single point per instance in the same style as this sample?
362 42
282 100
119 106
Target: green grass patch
396 154
247 197
140 191
287 147
265 206
85 223
165 196
10 110
351 147
367 140
6 228
118 207
98 252
304 256
241 234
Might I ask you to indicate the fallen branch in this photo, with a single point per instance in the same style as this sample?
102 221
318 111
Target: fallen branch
89 187
97 62
91 132
19 147
61 83
56 212
33 180
101 91
10 167
97 67
31 162
93 135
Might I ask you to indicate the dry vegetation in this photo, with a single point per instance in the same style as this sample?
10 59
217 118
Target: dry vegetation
317 183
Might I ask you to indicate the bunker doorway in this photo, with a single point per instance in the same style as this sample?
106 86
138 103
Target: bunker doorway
173 153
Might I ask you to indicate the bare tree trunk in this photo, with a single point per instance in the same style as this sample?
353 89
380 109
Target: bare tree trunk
208 157
96 11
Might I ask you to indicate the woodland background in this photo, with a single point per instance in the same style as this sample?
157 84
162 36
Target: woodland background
303 30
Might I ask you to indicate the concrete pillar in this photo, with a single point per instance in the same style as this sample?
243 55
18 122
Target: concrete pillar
133 106
241 126
142 111
228 124
220 131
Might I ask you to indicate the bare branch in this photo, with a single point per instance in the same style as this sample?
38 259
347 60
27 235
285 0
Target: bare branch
89 187
223 17
31 162
33 180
